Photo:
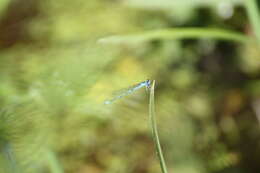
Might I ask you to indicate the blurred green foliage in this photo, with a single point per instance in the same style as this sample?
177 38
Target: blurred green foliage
61 59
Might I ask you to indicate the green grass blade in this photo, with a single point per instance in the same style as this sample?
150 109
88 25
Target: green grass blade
154 129
178 33
254 17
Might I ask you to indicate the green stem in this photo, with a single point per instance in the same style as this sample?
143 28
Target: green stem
178 33
154 129
254 17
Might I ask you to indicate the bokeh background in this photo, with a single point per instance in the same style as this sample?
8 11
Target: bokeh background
61 59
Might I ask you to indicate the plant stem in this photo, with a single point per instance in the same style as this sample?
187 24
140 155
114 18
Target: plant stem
254 17
154 129
178 33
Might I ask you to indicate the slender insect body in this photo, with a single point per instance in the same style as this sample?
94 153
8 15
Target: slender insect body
130 90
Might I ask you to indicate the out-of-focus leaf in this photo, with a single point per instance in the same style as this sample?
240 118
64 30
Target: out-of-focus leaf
249 60
3 5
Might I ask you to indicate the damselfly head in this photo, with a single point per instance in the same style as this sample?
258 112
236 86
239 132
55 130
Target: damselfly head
148 84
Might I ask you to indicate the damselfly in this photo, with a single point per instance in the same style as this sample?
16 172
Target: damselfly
130 90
